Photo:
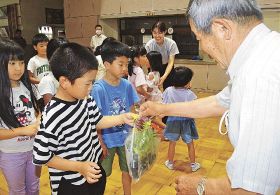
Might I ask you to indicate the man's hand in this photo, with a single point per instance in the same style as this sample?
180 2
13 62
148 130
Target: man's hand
186 184
151 109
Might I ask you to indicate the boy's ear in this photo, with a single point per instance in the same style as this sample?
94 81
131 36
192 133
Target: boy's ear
35 47
64 82
106 64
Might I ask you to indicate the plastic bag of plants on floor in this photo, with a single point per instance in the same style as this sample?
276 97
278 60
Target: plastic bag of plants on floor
141 148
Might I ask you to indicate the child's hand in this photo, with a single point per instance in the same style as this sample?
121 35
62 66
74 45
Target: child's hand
29 130
91 171
129 118
105 151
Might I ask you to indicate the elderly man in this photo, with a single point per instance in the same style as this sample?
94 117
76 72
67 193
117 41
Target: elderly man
232 32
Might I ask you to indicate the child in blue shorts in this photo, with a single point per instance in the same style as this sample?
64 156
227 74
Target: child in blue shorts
115 95
177 127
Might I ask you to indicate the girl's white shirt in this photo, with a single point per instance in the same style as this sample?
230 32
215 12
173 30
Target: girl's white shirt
25 113
138 79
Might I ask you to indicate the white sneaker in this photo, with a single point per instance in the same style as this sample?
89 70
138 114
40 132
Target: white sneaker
195 166
169 164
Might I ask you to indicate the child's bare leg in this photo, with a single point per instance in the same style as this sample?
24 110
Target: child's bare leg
171 151
126 181
191 152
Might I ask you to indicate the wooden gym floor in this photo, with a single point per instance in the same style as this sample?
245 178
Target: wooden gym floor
212 151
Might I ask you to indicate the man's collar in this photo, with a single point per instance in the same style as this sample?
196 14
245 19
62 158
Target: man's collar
246 47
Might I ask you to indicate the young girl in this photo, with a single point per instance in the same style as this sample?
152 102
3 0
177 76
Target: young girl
153 77
135 73
18 123
177 127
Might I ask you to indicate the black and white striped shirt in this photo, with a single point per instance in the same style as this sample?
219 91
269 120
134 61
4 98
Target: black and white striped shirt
68 130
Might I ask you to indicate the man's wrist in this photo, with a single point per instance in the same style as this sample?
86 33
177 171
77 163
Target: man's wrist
201 186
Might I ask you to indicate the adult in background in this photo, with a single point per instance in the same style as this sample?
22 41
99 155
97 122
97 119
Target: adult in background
98 38
168 49
233 33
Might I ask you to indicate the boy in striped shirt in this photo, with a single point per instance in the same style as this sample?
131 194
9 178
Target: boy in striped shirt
67 140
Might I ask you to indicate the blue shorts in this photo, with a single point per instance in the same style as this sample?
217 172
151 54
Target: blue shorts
181 128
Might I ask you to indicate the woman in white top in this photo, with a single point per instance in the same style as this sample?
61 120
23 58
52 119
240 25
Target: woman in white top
168 49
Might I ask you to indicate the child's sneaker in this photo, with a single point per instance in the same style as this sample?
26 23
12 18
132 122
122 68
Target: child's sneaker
169 165
195 166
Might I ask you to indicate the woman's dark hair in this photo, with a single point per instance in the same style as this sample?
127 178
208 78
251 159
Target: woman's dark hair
135 51
9 50
155 60
182 76
160 25
54 44
72 61
110 50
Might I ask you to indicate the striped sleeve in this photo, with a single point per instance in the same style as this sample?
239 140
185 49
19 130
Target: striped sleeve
45 144
94 111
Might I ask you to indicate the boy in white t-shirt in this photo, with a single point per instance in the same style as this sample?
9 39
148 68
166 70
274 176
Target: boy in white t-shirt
38 65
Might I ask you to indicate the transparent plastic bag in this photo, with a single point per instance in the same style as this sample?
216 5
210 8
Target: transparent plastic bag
141 148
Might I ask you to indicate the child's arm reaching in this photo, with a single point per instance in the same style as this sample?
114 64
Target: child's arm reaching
90 170
111 121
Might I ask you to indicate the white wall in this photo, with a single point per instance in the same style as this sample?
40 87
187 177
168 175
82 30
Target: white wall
33 15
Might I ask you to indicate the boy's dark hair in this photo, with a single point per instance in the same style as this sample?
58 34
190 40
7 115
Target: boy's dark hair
38 38
98 25
9 50
113 49
97 51
54 44
135 51
98 48
155 60
182 76
72 61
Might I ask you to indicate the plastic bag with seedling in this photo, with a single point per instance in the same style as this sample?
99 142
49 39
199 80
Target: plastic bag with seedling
141 147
